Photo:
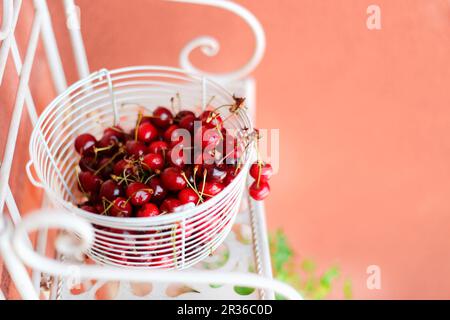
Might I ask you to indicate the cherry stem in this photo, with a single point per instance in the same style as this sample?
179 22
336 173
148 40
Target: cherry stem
138 122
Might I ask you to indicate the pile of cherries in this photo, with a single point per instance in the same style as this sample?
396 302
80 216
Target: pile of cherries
154 169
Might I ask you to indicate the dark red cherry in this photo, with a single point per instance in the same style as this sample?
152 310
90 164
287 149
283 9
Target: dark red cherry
231 150
153 161
136 148
159 192
115 131
89 208
211 117
210 189
208 136
259 192
87 163
139 193
123 167
169 131
162 117
108 142
159 147
147 132
177 157
188 195
261 171
172 179
184 113
89 182
110 190
216 173
148 210
105 168
187 122
85 144
170 204
232 172
121 208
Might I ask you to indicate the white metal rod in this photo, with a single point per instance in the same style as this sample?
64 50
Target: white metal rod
4 50
7 19
73 24
51 48
15 267
5 170
2 296
31 107
12 206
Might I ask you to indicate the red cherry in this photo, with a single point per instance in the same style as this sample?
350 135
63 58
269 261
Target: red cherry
85 144
177 157
89 208
210 189
184 113
187 122
105 167
123 167
159 192
170 204
231 149
169 131
208 136
89 182
115 131
87 163
261 171
148 210
211 117
162 117
259 192
108 142
172 179
135 148
110 190
159 147
188 195
154 161
232 172
147 132
139 193
216 173
121 208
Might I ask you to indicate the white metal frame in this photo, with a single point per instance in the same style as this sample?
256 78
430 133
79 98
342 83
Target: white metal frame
15 247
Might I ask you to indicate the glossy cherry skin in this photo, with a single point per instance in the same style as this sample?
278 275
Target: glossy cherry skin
183 113
159 191
123 167
232 172
172 179
89 208
170 204
176 157
216 173
148 210
259 192
159 147
110 190
188 196
136 148
210 189
105 167
208 136
121 208
115 131
261 171
187 122
89 182
231 150
85 144
87 163
168 133
162 117
153 161
139 193
211 117
147 132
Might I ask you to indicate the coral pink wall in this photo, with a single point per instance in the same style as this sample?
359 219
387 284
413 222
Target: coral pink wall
364 118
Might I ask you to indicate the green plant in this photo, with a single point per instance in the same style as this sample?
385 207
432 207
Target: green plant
305 277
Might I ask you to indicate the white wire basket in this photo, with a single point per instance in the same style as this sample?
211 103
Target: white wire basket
105 98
